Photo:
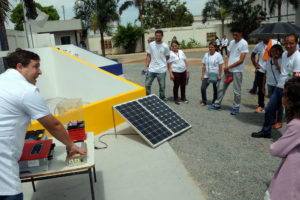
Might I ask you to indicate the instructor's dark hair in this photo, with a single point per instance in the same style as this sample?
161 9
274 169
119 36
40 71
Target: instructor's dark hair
20 56
236 29
292 93
159 31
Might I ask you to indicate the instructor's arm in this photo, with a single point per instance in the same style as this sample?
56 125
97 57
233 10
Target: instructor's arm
148 59
59 132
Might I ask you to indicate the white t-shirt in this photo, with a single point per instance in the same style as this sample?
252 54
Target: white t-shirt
236 49
177 60
288 66
212 63
260 49
272 76
158 52
20 101
217 42
224 42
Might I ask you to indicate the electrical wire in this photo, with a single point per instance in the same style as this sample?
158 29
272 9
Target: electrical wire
105 144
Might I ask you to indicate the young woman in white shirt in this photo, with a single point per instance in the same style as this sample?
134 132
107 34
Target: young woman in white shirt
271 77
178 69
211 72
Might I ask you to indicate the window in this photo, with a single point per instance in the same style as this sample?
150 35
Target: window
107 44
211 37
65 40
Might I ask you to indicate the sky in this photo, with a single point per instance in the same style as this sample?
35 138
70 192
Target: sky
129 15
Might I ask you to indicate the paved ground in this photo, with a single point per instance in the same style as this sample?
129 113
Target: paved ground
218 151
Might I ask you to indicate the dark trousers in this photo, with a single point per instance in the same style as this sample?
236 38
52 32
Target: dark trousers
12 197
179 80
261 96
270 111
224 47
205 84
254 87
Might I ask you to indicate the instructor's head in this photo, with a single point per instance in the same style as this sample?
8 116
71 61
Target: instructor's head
25 62
158 36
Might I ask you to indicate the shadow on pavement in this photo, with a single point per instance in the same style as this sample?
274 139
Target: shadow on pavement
251 118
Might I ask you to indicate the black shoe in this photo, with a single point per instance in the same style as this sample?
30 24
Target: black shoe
252 91
177 102
261 134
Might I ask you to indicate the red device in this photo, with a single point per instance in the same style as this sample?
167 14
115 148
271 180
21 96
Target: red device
36 150
76 130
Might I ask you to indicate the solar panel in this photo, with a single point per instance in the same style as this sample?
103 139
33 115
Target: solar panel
153 119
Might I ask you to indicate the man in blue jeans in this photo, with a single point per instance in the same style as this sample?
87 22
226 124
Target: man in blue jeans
156 63
290 68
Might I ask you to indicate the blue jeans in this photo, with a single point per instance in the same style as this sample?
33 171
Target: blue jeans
270 111
12 197
161 78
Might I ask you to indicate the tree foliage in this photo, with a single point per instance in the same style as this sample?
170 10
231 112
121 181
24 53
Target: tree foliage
246 16
17 16
106 13
84 10
163 14
277 3
217 9
127 37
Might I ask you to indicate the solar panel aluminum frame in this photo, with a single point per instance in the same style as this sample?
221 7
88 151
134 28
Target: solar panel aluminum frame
141 134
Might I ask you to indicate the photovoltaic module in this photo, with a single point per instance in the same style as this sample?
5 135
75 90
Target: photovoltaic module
153 119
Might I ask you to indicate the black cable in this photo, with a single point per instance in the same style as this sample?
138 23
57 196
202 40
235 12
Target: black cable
105 144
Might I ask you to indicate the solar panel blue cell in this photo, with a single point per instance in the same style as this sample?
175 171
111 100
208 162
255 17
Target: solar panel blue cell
153 119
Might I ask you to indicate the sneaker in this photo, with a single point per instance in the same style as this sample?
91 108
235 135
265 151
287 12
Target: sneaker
252 91
261 134
234 111
202 104
214 108
228 79
259 109
185 101
277 125
177 102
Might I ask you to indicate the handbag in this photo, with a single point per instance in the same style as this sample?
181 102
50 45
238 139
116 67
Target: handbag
212 77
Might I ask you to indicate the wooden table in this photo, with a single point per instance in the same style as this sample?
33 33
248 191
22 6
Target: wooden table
58 168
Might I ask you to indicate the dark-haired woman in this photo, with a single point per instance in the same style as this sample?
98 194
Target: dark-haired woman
178 69
211 72
285 184
271 77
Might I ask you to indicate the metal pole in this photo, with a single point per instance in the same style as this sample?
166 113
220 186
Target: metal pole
25 26
63 7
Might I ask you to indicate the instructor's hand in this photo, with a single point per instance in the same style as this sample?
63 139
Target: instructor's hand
74 148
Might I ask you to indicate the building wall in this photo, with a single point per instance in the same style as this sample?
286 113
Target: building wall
72 34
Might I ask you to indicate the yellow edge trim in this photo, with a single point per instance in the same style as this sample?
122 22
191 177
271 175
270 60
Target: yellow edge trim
84 62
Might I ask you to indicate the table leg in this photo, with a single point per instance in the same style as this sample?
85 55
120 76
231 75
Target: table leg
94 170
91 183
33 185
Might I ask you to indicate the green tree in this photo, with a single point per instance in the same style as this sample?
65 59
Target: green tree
217 9
84 10
4 9
106 12
140 5
163 14
277 3
246 16
17 16
127 37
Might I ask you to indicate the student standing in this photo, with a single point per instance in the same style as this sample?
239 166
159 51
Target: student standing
262 48
156 63
234 64
211 72
224 43
178 69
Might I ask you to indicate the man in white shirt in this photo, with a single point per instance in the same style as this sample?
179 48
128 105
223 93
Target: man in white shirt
234 65
218 44
290 67
224 43
262 49
156 64
20 101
